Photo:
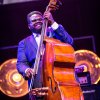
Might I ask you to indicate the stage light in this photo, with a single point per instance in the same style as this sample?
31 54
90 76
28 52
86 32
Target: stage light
11 82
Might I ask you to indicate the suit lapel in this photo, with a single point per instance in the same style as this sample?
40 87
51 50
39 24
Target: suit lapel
33 42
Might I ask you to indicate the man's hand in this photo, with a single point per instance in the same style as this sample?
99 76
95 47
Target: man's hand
48 15
29 72
39 91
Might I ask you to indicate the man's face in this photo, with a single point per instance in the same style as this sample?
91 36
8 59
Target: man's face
35 22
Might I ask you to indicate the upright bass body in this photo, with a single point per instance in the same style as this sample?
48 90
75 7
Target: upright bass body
58 71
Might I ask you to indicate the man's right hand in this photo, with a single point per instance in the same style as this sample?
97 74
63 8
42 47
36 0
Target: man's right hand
29 72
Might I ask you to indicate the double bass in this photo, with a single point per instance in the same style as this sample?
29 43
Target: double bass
58 66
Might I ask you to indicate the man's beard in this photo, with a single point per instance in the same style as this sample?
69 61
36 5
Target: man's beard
38 31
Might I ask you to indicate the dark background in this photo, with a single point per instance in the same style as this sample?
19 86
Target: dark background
79 17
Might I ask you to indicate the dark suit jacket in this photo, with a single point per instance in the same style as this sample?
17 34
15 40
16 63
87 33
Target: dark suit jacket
27 49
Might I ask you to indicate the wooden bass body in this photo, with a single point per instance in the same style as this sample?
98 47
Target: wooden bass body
58 71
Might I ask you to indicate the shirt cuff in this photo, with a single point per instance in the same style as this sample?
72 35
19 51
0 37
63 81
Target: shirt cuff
54 25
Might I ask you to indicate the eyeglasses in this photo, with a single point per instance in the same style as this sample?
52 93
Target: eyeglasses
39 19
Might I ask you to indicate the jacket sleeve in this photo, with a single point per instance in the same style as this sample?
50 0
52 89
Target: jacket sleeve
61 34
22 62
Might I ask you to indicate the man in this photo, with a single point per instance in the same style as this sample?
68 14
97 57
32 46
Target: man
27 48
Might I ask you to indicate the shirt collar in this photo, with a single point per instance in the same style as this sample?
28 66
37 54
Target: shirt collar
36 34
